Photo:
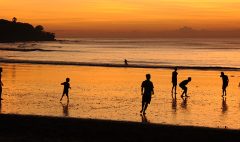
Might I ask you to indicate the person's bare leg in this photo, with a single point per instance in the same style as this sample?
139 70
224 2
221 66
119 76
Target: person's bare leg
186 93
67 96
183 93
62 96
145 108
142 107
1 94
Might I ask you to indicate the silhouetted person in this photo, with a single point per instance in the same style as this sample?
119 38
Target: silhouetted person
174 80
147 92
1 84
66 88
183 86
224 84
125 62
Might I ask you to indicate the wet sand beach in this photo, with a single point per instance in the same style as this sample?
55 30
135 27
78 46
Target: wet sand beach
109 93
48 129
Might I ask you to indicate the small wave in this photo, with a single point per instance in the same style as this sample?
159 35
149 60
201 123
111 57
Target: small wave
24 45
25 49
3 60
36 50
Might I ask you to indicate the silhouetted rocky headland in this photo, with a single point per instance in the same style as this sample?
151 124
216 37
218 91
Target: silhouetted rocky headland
13 31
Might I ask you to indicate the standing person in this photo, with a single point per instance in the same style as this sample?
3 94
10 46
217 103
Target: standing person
147 92
183 86
174 80
66 88
126 62
1 84
225 83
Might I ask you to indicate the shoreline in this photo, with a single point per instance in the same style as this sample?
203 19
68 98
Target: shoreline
57 63
44 128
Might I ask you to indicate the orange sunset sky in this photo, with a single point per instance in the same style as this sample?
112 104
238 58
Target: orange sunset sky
66 17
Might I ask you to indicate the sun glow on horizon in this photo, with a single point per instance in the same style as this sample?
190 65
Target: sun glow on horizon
125 14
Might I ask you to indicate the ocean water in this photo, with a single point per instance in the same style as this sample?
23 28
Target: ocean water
139 52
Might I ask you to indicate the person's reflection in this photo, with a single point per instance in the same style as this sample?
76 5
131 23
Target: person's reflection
144 119
224 105
184 103
65 109
0 106
174 95
174 104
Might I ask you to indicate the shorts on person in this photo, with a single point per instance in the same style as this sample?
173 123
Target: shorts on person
146 98
183 87
174 83
224 86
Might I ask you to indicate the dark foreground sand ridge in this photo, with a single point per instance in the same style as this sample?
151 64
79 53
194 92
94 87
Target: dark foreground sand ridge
41 128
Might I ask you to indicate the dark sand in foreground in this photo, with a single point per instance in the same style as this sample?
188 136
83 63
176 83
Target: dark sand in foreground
41 128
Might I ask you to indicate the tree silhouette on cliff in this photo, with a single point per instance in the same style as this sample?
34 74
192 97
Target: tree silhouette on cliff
13 31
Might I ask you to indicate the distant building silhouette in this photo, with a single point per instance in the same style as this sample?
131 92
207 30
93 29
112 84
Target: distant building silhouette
14 20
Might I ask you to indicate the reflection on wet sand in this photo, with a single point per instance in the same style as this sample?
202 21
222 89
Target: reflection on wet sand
144 119
98 87
174 104
174 95
184 103
65 109
0 106
224 105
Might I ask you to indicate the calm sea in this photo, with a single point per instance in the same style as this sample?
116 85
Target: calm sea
143 52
